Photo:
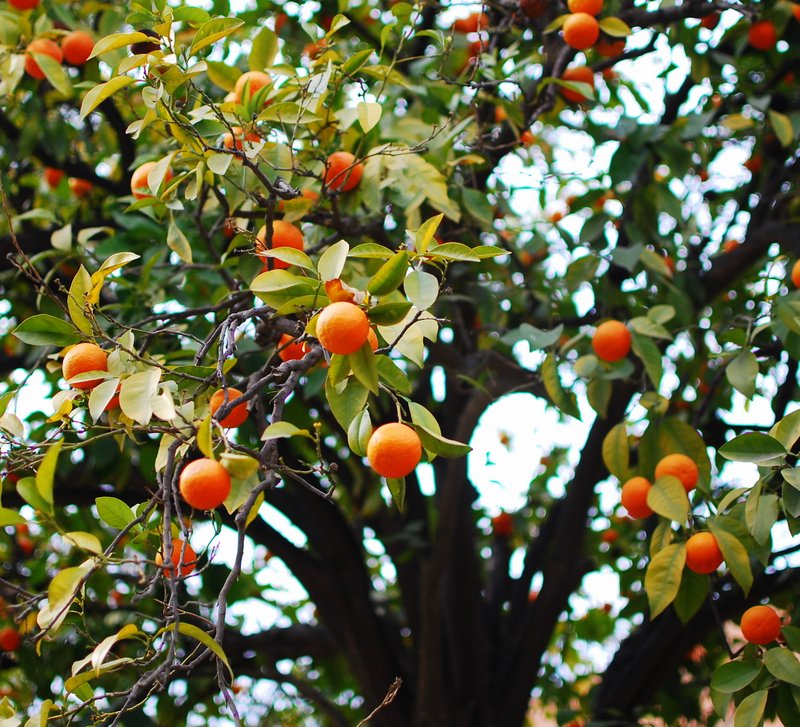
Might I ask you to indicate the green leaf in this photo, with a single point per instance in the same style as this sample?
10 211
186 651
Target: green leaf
421 288
426 232
616 453
10 517
114 512
742 372
456 251
61 592
735 675
734 552
663 578
661 313
598 392
388 314
212 31
371 250
369 114
78 290
787 430
179 243
668 498
691 595
290 256
439 445
755 447
783 665
614 27
45 475
565 401
650 355
397 488
390 373
204 638
46 330
750 711
359 432
645 327
263 51
283 430
348 403
54 72
390 275
118 40
536 337
782 125
223 75
100 93
331 262
363 366
27 490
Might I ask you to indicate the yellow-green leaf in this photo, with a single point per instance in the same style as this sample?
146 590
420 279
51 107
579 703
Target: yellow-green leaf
46 472
663 578
100 93
212 31
668 498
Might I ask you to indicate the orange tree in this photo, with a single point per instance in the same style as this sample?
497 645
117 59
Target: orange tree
238 239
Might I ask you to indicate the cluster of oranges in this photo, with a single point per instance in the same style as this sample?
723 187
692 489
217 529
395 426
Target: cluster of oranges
581 29
76 47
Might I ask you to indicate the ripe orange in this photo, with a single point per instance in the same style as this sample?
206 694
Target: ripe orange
342 327
702 553
527 138
254 80
609 47
10 640
238 414
81 358
611 341
24 4
533 8
796 274
609 536
581 31
204 484
709 22
680 466
77 47
754 164
503 525
290 349
761 625
579 74
238 138
44 46
185 564
762 35
372 337
53 177
139 186
284 234
796 10
592 7
79 187
472 23
634 497
730 245
394 449
342 172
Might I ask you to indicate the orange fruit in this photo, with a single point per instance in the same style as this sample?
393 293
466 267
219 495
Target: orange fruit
336 291
579 74
314 50
634 497
53 177
796 274
24 4
81 358
762 35
284 234
527 138
113 403
204 484
290 349
609 47
79 187
702 553
342 172
592 7
46 47
185 564
730 245
472 23
254 81
372 337
503 525
680 466
754 164
761 625
10 640
77 47
796 10
237 416
533 8
342 327
580 31
500 115
609 536
139 186
238 138
611 341
394 449
709 22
